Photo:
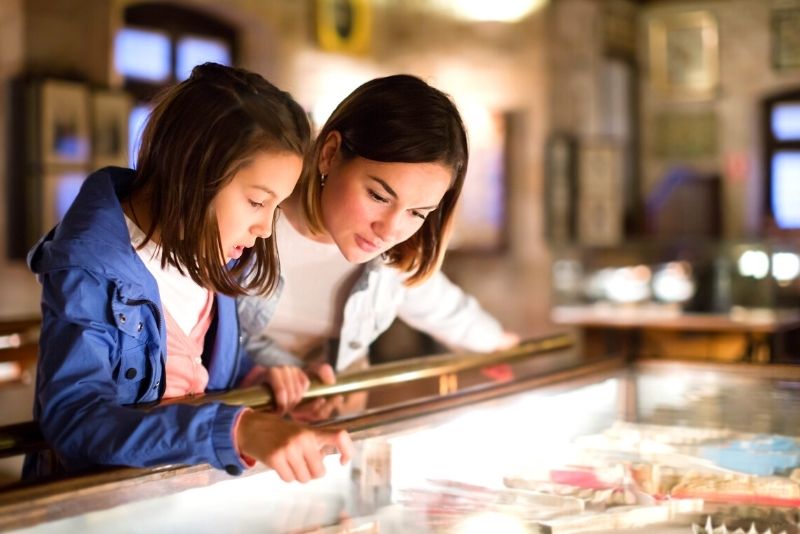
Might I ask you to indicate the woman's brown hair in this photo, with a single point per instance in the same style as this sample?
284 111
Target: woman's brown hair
199 135
397 119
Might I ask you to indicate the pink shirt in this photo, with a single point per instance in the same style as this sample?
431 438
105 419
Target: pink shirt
186 374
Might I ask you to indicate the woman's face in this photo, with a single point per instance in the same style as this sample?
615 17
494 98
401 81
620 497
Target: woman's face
246 205
369 206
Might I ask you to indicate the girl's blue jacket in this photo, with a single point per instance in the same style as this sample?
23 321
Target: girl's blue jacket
102 349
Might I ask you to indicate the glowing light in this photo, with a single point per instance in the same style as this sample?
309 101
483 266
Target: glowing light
785 266
497 10
673 283
629 284
754 263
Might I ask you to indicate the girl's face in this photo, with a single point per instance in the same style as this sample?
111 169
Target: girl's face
370 206
246 205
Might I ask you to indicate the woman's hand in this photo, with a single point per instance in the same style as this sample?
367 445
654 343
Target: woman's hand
502 372
288 385
508 340
294 451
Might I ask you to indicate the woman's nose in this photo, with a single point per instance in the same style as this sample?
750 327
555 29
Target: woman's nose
389 228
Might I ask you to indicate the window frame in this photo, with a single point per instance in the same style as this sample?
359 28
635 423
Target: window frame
176 22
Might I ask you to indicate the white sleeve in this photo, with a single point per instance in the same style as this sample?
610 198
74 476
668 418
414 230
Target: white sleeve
440 308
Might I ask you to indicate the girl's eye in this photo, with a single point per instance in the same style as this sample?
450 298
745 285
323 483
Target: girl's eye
256 204
376 197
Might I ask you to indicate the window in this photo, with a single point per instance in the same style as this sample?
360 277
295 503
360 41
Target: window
782 159
158 46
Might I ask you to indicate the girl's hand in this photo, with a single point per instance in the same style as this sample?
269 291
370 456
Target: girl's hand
295 452
508 340
288 385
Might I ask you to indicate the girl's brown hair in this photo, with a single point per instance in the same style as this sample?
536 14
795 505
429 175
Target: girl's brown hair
199 135
397 119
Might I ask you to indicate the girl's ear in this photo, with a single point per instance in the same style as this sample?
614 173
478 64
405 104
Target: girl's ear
328 151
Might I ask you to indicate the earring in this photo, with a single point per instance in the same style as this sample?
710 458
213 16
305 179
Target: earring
322 178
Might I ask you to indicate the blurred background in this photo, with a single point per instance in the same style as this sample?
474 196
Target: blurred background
631 160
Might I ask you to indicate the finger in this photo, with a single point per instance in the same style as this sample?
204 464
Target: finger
326 374
305 382
296 457
314 461
333 404
279 464
293 393
345 446
281 397
339 439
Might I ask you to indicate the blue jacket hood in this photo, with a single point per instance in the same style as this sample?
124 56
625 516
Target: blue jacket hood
93 236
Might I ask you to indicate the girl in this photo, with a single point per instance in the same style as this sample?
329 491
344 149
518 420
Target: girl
138 281
363 235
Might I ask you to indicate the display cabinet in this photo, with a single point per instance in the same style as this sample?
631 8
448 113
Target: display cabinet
548 442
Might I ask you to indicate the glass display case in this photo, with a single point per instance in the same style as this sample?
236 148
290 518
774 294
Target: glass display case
551 444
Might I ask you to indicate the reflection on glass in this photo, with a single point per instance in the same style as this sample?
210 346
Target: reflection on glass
142 54
786 188
194 50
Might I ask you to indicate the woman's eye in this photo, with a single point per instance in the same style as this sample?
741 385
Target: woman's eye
419 214
256 204
375 196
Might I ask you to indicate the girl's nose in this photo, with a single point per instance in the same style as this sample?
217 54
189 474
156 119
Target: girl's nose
263 229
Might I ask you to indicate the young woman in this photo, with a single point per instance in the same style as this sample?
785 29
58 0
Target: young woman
363 235
138 284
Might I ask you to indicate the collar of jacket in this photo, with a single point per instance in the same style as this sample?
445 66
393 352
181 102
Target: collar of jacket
93 236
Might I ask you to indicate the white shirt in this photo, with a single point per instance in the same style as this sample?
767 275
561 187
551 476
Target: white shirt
317 280
181 295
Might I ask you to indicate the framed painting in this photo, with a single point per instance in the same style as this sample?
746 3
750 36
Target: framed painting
344 25
110 116
684 54
64 116
600 207
786 39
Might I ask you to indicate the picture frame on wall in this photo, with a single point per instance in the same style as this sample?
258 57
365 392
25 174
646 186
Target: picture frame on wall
64 122
344 25
786 39
561 189
601 198
684 54
110 115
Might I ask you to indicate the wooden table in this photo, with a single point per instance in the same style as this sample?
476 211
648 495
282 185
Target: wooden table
741 335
